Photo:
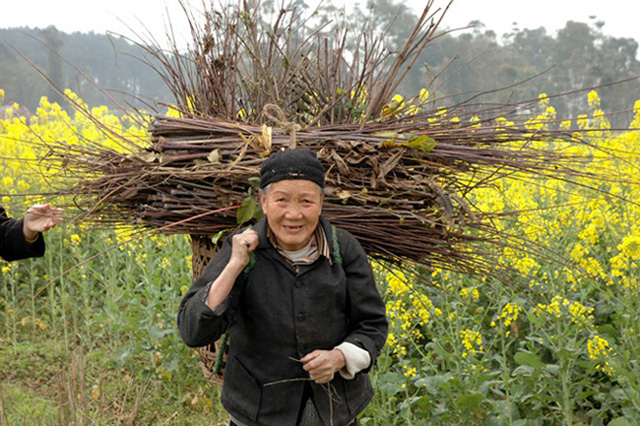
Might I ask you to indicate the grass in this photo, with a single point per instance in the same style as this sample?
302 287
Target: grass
99 346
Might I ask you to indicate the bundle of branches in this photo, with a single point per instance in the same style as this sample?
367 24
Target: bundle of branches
398 170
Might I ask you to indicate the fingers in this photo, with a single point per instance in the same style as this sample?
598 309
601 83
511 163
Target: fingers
45 210
249 239
243 245
51 223
41 218
320 366
310 356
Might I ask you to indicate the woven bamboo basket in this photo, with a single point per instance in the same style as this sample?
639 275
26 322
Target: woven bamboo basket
213 357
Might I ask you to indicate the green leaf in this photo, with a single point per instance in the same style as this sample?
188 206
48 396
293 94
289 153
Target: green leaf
553 369
433 383
619 421
246 211
390 383
608 330
158 333
525 370
495 421
506 413
389 134
471 401
217 237
423 143
618 394
528 359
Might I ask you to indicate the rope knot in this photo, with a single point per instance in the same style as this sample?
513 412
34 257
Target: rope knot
288 127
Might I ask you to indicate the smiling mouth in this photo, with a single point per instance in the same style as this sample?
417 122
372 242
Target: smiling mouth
291 228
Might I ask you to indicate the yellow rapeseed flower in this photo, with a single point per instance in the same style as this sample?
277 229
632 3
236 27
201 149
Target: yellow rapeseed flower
510 313
470 292
410 372
593 99
471 341
600 350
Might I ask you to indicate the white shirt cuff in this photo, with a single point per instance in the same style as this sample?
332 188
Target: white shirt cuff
357 359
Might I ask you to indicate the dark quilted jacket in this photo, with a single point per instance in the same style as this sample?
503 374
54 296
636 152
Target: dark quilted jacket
277 316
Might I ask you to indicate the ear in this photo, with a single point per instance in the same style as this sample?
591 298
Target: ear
263 201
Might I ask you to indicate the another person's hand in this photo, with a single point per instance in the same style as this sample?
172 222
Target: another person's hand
243 245
40 218
322 365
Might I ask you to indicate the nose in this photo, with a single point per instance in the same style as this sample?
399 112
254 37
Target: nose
293 212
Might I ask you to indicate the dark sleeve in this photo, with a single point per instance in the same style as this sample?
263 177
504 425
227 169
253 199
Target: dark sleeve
368 326
199 325
13 245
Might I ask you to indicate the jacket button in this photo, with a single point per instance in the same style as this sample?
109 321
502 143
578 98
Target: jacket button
298 283
301 316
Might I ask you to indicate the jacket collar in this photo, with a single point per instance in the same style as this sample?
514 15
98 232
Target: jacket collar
262 228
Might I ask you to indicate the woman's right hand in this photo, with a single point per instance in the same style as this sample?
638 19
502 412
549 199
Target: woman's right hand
242 246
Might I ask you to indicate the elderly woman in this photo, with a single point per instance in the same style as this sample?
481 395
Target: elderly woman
300 299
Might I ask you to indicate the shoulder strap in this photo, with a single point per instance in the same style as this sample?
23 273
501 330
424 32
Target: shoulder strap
249 267
337 255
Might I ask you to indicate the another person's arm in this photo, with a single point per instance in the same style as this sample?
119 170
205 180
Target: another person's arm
40 218
20 239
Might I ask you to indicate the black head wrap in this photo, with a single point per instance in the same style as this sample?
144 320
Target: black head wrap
299 163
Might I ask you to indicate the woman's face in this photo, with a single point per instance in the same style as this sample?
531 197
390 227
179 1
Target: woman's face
293 208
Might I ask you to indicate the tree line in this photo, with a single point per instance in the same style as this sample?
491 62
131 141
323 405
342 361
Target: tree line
456 67
464 66
529 62
101 69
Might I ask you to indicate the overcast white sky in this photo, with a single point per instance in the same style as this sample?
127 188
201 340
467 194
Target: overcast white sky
498 15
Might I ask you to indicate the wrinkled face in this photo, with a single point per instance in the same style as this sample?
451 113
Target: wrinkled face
292 207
